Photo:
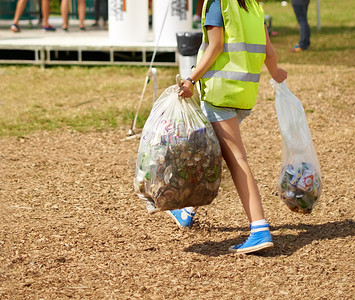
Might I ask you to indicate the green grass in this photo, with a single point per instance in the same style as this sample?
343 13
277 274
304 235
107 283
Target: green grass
97 98
55 7
40 119
81 98
333 44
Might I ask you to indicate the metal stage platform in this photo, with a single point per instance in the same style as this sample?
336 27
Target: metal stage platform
91 47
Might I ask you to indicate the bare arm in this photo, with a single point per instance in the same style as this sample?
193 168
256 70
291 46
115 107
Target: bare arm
271 61
214 49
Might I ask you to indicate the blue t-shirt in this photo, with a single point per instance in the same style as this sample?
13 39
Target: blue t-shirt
214 14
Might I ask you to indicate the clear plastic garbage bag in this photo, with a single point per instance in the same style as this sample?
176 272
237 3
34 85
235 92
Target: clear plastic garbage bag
300 183
179 156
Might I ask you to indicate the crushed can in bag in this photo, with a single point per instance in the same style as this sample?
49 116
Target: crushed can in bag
179 156
299 187
300 183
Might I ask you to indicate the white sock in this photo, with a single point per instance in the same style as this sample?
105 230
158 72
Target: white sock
258 223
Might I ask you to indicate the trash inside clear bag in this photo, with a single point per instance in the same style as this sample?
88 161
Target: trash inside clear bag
179 157
300 183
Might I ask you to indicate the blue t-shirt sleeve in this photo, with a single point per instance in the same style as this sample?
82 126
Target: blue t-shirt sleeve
214 14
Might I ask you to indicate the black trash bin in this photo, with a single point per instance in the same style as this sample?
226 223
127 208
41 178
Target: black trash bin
188 44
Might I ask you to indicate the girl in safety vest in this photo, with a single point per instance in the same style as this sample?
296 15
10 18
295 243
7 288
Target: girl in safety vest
235 45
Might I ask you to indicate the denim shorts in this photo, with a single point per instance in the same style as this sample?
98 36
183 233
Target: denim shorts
217 114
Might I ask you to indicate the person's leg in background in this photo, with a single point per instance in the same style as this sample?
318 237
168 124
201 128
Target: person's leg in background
45 16
97 13
105 13
64 10
20 7
300 8
81 14
150 12
40 17
196 20
199 7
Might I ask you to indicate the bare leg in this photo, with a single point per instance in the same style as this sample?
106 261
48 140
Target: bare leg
234 154
105 15
82 12
64 10
20 7
199 7
45 12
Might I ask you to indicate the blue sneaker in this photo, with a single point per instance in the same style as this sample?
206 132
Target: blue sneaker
182 217
259 239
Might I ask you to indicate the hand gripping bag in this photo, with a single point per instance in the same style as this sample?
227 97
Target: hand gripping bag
300 183
179 156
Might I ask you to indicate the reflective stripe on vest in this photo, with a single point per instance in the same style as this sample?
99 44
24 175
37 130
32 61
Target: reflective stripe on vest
249 77
236 47
233 79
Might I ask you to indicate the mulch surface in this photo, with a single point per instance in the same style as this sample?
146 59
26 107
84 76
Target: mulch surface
71 226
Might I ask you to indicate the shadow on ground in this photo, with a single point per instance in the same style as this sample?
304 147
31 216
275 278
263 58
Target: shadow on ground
285 244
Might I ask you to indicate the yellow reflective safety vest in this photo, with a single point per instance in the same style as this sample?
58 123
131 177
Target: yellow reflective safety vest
233 80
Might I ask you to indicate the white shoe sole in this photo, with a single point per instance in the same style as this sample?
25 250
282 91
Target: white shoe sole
252 249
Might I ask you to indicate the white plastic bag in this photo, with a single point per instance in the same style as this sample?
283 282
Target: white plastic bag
179 156
300 184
